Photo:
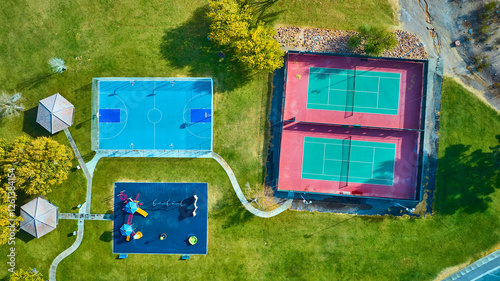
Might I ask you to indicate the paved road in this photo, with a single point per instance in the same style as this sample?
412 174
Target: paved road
487 268
435 23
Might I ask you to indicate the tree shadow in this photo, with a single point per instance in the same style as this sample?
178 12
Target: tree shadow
466 179
231 209
261 8
33 82
106 236
187 46
30 126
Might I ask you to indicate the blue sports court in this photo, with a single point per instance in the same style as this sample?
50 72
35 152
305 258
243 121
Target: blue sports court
153 113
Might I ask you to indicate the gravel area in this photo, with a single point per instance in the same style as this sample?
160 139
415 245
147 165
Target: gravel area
335 41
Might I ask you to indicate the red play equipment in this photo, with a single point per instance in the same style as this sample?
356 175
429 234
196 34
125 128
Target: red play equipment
131 206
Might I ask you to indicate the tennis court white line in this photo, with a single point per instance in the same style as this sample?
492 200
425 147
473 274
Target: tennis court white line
371 92
328 97
324 156
360 75
352 145
378 91
311 174
373 160
356 106
340 160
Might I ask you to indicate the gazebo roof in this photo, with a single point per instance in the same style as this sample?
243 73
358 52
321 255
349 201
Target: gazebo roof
39 217
55 113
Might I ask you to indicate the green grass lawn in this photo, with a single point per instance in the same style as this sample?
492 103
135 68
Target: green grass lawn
335 14
39 253
338 247
167 38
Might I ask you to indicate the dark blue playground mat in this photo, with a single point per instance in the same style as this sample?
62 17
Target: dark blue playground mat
169 207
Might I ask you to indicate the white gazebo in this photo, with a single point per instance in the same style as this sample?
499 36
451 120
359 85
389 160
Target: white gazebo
39 217
55 113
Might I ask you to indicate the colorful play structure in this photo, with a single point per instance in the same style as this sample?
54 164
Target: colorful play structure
131 207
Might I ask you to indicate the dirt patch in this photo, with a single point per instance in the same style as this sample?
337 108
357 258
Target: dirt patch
421 208
396 9
450 270
478 94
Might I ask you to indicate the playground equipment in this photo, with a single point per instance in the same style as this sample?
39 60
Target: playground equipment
138 235
187 212
131 207
192 240
142 212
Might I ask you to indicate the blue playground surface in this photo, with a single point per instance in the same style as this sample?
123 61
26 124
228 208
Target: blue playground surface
174 211
153 113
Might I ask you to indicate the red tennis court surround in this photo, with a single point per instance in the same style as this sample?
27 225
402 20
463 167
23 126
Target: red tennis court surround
401 128
405 170
297 81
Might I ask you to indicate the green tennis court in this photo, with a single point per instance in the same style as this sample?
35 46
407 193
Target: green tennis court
353 90
346 160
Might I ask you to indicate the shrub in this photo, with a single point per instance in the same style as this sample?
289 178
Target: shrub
376 39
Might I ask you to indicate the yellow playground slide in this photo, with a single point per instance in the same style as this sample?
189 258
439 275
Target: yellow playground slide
142 212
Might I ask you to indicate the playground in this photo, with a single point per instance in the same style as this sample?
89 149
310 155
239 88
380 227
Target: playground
160 218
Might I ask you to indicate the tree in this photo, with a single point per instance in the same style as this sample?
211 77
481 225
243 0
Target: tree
57 65
375 40
234 26
259 51
38 164
7 226
26 275
230 20
5 147
10 106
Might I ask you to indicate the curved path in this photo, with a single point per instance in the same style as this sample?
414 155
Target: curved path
85 209
70 250
242 197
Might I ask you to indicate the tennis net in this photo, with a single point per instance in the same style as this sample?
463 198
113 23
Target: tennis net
346 159
350 91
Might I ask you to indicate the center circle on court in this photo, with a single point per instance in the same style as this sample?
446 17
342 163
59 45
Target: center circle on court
154 115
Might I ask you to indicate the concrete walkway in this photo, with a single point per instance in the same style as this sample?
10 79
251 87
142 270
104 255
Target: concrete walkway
479 270
83 212
242 197
84 168
92 217
70 250
91 165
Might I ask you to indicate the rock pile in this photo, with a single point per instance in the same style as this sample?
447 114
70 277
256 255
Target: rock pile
336 41
288 36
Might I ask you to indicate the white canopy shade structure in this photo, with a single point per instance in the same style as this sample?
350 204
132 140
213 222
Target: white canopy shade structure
39 217
55 113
